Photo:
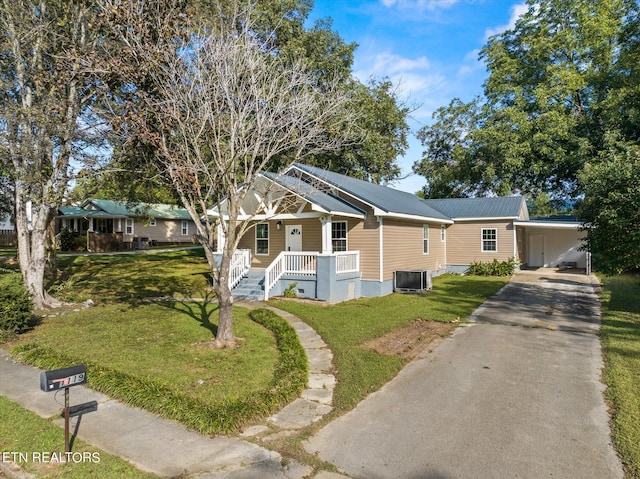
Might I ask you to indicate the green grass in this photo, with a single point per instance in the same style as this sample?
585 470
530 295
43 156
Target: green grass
24 432
8 251
345 327
166 341
621 350
125 277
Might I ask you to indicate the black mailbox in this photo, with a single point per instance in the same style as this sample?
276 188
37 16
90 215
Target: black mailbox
63 378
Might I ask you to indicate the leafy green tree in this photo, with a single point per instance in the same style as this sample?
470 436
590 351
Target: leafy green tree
611 207
541 117
49 80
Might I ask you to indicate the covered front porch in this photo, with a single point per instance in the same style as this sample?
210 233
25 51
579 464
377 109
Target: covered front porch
331 277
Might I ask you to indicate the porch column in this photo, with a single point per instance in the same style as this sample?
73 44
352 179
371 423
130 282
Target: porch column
221 238
326 234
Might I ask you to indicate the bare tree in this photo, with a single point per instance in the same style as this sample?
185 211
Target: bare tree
48 84
224 108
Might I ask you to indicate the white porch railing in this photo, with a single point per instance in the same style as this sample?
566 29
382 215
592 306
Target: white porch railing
240 264
347 262
289 262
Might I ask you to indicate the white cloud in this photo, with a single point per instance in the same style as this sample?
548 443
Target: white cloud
516 12
419 4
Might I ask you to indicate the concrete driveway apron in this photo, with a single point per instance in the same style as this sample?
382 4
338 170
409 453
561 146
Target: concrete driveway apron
515 394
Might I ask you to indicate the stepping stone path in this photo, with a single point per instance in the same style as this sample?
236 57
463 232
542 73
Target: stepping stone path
316 400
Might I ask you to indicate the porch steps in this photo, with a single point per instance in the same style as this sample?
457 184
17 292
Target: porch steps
250 287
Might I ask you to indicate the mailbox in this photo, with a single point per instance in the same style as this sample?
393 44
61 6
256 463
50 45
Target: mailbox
63 378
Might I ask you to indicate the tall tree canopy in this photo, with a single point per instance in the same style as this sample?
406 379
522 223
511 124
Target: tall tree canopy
543 112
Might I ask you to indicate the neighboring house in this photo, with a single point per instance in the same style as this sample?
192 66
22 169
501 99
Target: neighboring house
332 237
7 232
116 225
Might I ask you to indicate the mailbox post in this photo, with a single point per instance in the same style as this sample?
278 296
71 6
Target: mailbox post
64 378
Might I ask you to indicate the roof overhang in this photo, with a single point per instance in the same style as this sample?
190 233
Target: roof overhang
549 224
389 214
490 218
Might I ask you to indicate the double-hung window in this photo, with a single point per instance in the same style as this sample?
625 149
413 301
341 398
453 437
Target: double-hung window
128 226
425 239
443 233
262 238
184 228
339 236
489 240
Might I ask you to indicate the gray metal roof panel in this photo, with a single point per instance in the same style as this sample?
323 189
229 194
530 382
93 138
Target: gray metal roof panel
383 197
494 207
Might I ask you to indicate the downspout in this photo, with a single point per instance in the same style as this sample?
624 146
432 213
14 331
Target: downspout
381 249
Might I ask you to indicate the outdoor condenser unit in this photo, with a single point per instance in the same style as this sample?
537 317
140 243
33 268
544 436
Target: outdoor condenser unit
414 281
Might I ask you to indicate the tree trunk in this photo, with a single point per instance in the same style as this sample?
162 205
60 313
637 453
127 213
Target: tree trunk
32 251
224 336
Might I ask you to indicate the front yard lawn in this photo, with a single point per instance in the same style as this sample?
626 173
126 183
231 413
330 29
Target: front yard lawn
621 351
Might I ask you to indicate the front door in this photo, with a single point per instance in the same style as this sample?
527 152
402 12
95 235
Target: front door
536 251
294 238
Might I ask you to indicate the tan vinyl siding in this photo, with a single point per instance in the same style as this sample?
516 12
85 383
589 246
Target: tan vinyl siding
464 242
165 231
403 247
364 237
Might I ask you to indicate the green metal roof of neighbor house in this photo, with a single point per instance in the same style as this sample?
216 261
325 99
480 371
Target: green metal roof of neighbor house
92 208
494 207
329 203
386 200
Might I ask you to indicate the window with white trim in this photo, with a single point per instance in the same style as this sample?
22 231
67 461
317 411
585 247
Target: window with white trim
443 233
339 236
152 222
425 239
489 240
184 228
262 238
128 226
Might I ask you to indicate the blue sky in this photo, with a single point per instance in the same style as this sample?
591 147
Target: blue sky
428 48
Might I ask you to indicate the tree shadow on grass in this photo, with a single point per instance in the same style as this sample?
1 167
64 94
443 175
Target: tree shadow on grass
201 309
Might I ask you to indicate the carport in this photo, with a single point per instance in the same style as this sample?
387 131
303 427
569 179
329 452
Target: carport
551 242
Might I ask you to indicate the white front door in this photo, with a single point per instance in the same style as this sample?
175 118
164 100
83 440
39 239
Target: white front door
536 251
294 238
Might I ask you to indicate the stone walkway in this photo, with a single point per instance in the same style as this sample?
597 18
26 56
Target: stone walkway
316 400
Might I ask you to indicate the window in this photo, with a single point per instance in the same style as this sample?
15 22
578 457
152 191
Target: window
425 239
489 239
152 222
443 233
339 236
185 228
262 238
128 226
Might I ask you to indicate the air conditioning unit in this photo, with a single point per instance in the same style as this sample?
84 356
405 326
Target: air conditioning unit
414 281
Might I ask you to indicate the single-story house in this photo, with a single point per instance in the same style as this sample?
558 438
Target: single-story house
116 225
333 237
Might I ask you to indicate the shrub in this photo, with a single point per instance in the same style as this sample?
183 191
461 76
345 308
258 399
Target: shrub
494 268
15 303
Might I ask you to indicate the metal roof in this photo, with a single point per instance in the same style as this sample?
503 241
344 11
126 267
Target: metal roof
494 207
99 208
386 200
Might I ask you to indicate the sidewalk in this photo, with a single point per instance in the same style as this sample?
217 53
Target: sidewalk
169 449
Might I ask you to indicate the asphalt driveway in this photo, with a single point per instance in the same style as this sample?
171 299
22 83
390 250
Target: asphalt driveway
516 394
